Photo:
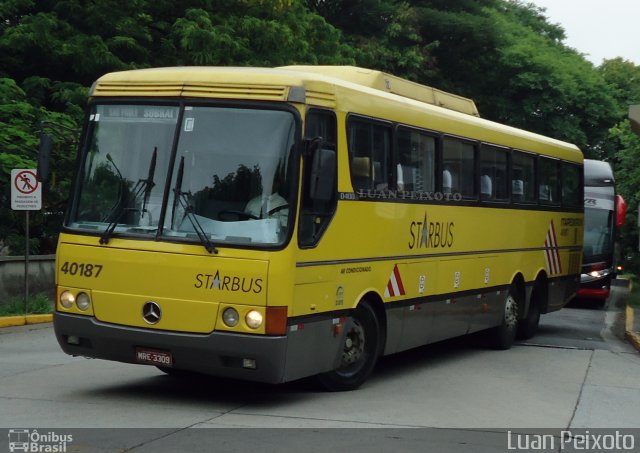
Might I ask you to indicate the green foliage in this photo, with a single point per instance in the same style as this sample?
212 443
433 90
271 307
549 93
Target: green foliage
36 304
623 151
502 53
627 173
383 35
257 35
506 57
20 125
624 79
16 117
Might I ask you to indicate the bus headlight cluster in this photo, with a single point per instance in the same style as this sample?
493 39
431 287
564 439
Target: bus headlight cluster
253 319
600 273
595 275
82 301
230 317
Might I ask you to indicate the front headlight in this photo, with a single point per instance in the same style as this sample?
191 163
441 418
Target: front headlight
230 317
83 301
254 319
599 274
67 299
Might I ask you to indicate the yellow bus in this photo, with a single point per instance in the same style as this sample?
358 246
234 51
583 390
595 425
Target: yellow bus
270 224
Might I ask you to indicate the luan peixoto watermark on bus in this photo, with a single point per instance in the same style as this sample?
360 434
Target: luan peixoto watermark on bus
571 440
413 195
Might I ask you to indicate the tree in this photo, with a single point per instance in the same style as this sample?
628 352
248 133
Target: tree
20 124
512 62
384 35
504 54
627 175
51 51
623 149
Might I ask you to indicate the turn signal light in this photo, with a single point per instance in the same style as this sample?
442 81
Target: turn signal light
276 321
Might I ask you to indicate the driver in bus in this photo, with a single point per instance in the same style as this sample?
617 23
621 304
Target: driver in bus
273 206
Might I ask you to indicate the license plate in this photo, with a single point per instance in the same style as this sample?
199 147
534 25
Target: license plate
154 357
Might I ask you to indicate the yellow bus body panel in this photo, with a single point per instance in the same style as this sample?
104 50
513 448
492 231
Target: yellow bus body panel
188 287
463 249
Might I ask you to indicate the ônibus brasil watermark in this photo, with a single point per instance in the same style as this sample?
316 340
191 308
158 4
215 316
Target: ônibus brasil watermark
565 439
33 441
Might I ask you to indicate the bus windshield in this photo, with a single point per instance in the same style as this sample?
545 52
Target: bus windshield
233 175
125 163
231 178
598 231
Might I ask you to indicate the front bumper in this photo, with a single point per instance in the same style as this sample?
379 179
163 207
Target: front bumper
277 358
217 353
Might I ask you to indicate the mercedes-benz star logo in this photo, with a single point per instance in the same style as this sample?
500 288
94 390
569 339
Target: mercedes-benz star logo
151 312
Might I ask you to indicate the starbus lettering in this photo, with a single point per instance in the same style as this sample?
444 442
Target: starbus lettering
229 283
431 235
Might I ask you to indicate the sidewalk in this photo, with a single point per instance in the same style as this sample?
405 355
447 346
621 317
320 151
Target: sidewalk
632 327
21 320
632 319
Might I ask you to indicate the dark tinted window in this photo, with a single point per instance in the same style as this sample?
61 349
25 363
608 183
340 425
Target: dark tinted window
493 173
370 149
458 167
415 168
571 185
523 178
549 173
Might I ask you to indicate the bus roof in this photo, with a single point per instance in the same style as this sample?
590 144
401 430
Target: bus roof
598 173
391 84
345 88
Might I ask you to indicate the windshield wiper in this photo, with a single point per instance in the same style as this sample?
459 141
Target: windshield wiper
180 198
146 185
142 186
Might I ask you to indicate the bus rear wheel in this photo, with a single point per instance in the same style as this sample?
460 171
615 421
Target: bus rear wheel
504 335
360 351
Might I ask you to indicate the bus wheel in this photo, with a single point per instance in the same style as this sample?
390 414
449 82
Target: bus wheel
505 334
359 353
528 326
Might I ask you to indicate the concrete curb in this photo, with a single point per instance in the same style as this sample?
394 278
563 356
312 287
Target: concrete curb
12 321
632 336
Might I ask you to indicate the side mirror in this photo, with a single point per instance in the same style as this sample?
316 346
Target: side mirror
44 157
621 211
323 174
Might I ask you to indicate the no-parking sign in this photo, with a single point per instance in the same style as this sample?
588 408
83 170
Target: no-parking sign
26 191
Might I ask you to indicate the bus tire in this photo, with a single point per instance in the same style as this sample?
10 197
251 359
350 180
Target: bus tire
360 352
528 326
504 335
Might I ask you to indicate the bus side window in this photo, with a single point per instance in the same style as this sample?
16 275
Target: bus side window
571 185
415 159
493 171
549 181
458 160
370 151
523 177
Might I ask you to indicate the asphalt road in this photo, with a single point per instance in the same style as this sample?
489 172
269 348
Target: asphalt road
577 374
